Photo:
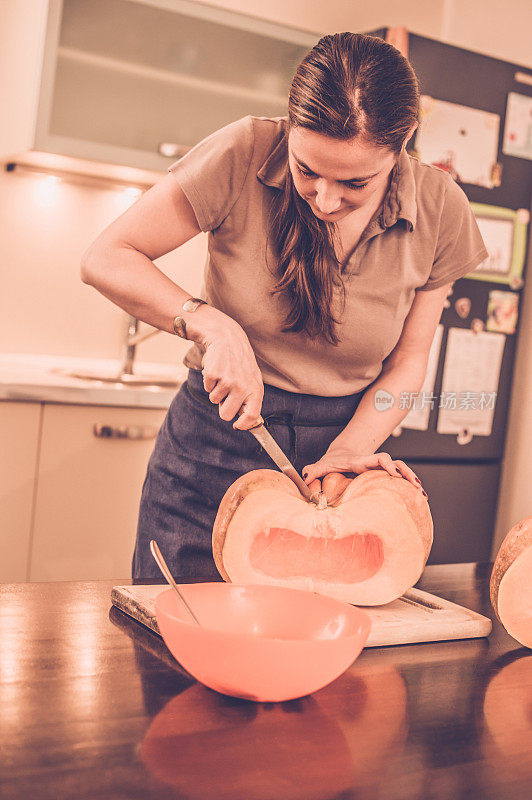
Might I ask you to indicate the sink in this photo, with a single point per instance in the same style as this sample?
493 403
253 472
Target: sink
164 381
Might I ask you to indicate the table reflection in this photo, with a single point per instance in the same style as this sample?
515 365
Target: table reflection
507 717
207 745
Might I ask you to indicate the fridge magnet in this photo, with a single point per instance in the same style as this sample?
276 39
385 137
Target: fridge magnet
517 140
465 436
470 382
421 403
477 325
516 283
502 311
496 174
461 140
462 307
504 232
447 303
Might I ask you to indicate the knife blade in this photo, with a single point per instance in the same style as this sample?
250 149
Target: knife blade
264 437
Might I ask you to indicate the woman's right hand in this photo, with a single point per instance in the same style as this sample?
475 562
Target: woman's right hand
231 374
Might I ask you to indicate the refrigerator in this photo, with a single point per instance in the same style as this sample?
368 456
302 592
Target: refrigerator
462 480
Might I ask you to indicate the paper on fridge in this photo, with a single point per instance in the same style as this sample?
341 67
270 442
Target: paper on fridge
461 140
470 381
518 127
498 236
421 406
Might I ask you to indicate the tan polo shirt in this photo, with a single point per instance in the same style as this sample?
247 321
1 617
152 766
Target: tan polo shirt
423 236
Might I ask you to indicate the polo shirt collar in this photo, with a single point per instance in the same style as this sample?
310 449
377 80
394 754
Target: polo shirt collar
273 170
399 203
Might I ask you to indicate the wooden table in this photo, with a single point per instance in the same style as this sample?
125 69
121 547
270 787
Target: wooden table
92 705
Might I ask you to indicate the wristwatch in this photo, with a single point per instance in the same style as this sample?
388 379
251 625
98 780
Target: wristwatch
180 329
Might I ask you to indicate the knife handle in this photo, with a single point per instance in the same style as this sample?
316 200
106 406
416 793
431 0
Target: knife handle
259 421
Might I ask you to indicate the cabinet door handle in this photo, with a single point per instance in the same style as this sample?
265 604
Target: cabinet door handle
103 431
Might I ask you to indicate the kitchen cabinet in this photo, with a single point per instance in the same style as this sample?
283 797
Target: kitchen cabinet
136 82
19 442
91 469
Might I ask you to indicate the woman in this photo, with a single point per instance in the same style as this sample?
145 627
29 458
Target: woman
331 253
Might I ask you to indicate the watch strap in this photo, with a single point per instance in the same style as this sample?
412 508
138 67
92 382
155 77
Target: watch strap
190 305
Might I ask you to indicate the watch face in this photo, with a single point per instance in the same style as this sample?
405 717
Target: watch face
180 327
192 303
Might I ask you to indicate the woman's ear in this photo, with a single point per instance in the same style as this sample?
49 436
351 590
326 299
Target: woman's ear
410 134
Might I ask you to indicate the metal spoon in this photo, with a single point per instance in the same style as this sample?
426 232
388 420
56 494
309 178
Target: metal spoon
163 566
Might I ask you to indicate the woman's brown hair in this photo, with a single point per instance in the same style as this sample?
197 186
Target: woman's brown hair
348 85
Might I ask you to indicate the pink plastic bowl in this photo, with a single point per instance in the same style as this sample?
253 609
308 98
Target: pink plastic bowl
263 643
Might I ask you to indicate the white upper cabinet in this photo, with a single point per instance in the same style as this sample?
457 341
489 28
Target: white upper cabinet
115 81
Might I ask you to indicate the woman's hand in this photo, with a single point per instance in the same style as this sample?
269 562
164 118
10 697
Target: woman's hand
231 374
340 459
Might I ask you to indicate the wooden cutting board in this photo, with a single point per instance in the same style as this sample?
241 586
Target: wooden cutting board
416 617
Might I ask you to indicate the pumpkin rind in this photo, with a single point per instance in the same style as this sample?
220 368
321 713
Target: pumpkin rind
257 478
516 543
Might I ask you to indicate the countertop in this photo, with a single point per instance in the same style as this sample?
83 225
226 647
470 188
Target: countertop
45 379
94 706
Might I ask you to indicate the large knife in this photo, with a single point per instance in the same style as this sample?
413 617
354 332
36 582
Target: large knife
264 437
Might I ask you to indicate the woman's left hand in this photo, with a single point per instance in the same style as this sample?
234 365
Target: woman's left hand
342 460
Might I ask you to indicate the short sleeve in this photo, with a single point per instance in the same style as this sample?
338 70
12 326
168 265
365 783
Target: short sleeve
460 247
213 172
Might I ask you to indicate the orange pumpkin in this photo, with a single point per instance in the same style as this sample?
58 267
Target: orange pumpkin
511 586
366 543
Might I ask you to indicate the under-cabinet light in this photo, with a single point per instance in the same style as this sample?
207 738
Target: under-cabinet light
131 189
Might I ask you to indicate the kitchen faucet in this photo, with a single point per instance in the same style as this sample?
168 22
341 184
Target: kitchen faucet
131 340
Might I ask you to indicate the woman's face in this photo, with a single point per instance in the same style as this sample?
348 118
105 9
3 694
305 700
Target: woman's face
337 177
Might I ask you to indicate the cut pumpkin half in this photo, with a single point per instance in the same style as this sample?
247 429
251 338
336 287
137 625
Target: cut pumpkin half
367 544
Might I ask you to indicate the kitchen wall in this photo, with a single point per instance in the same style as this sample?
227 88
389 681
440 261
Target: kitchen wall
45 226
515 492
496 28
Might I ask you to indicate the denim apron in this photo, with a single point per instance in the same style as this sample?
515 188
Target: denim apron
197 456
